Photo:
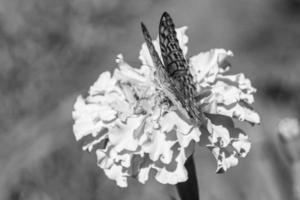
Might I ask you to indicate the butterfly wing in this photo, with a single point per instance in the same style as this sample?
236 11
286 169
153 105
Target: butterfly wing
160 71
171 85
164 82
176 65
171 52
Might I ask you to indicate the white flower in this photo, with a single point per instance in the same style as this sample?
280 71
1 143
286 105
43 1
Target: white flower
133 129
288 128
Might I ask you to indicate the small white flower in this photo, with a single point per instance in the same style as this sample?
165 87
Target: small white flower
133 129
288 128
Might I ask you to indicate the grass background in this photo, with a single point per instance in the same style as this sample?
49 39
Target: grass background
53 50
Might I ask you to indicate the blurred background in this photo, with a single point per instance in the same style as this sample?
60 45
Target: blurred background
53 50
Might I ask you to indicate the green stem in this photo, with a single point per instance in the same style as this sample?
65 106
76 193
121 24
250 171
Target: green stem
189 190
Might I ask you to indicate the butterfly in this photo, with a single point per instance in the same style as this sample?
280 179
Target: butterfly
173 76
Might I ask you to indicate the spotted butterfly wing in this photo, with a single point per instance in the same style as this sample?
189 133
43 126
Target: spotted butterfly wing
174 77
163 81
176 65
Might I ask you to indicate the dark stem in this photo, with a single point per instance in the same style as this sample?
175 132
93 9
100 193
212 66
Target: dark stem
189 190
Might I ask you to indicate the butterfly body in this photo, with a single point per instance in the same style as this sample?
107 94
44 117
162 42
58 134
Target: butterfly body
173 75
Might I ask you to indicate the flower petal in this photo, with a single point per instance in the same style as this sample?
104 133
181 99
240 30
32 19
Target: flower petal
206 66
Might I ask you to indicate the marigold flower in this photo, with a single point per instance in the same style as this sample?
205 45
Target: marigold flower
134 129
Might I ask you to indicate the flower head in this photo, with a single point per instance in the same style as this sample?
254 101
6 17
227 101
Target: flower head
133 128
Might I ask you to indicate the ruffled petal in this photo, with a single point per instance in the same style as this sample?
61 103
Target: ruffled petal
226 142
165 175
207 65
104 83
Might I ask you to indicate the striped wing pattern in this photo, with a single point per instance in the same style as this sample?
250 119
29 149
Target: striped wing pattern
174 75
